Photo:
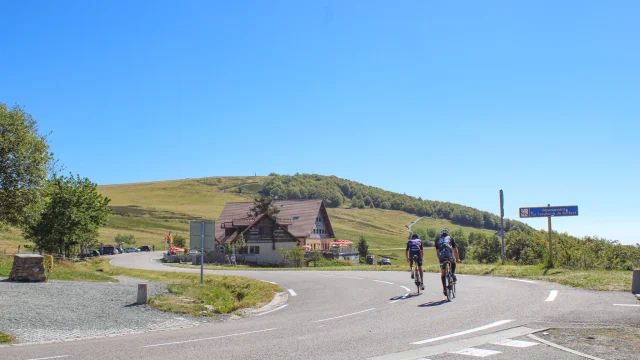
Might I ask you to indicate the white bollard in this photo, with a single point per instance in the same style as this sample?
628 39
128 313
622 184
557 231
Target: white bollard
143 294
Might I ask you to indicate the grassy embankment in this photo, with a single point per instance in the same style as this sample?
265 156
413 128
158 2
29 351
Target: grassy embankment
218 294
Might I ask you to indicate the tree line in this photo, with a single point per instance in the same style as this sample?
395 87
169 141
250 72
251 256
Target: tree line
337 192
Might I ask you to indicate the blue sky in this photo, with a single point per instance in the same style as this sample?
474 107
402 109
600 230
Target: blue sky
444 100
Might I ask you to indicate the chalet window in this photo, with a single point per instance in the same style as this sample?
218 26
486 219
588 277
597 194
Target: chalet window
255 250
295 218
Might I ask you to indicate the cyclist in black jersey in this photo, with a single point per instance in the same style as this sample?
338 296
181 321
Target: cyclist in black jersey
414 247
446 249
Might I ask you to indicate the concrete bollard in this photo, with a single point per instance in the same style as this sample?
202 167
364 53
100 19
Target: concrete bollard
143 294
635 283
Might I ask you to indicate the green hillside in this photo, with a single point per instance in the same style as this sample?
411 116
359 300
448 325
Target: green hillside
150 210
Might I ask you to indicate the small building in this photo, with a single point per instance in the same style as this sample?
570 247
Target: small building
299 223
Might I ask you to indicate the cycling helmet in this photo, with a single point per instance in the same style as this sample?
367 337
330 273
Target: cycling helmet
415 236
444 231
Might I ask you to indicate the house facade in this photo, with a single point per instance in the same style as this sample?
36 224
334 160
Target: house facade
299 223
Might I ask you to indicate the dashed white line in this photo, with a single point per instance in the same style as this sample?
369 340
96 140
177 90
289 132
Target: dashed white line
515 343
209 338
475 352
406 288
354 277
270 282
325 275
384 282
525 281
552 295
270 311
484 327
51 357
341 316
626 305
293 293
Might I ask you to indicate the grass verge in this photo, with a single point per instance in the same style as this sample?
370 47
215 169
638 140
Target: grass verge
61 271
6 338
218 294
600 280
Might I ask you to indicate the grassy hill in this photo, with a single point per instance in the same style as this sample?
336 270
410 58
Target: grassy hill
150 210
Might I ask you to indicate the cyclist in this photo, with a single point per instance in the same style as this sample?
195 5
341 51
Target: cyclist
446 249
414 247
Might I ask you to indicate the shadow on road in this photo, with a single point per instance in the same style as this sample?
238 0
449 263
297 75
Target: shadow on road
403 297
433 303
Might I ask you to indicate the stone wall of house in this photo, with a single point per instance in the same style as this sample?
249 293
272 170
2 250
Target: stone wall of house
27 267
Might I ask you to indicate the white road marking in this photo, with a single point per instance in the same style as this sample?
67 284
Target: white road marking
475 352
563 348
209 338
384 282
270 282
325 275
402 298
278 308
52 357
484 327
293 293
354 277
626 305
515 343
552 295
341 316
526 281
406 288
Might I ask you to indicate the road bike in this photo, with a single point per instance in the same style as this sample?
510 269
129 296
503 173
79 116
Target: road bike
450 287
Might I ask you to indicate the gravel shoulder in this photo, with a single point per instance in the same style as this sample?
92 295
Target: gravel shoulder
65 310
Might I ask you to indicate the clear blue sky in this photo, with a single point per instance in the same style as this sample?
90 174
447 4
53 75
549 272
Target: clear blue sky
447 100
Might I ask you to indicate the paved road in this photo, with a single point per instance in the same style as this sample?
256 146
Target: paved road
355 315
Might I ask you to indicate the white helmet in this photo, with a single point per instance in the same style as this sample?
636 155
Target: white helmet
444 231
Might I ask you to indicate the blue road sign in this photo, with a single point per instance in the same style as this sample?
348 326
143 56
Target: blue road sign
547 211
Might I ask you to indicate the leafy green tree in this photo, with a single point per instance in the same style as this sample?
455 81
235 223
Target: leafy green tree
263 204
127 239
179 241
432 233
363 246
240 243
25 162
73 210
294 255
486 249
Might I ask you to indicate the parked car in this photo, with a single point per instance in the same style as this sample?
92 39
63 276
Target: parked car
109 250
384 261
131 249
145 248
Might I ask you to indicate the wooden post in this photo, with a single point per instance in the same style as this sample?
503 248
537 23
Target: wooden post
635 283
143 294
550 242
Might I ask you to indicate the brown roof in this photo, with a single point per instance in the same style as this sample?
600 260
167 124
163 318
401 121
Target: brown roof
305 210
234 236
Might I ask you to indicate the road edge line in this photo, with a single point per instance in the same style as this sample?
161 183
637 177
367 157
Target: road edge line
563 348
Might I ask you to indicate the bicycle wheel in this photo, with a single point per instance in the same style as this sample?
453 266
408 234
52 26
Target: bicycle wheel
416 277
448 280
453 286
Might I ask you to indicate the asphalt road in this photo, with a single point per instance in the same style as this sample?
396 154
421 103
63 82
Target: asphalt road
360 314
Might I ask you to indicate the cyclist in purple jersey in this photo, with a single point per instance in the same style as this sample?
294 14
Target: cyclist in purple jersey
414 247
446 249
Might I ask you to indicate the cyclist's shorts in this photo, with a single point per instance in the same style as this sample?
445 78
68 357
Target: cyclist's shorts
444 261
417 253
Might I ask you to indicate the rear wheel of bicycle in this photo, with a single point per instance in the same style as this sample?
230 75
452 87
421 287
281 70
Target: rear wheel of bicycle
448 287
453 287
416 276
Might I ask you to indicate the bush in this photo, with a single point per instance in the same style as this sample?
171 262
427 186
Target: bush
179 241
486 250
127 239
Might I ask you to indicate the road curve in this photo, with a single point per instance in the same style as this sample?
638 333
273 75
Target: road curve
352 315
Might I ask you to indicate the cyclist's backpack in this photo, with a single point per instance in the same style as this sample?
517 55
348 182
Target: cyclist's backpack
444 248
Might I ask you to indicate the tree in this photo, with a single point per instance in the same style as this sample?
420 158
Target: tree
239 244
486 249
294 255
127 239
363 246
261 205
72 212
179 241
25 161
